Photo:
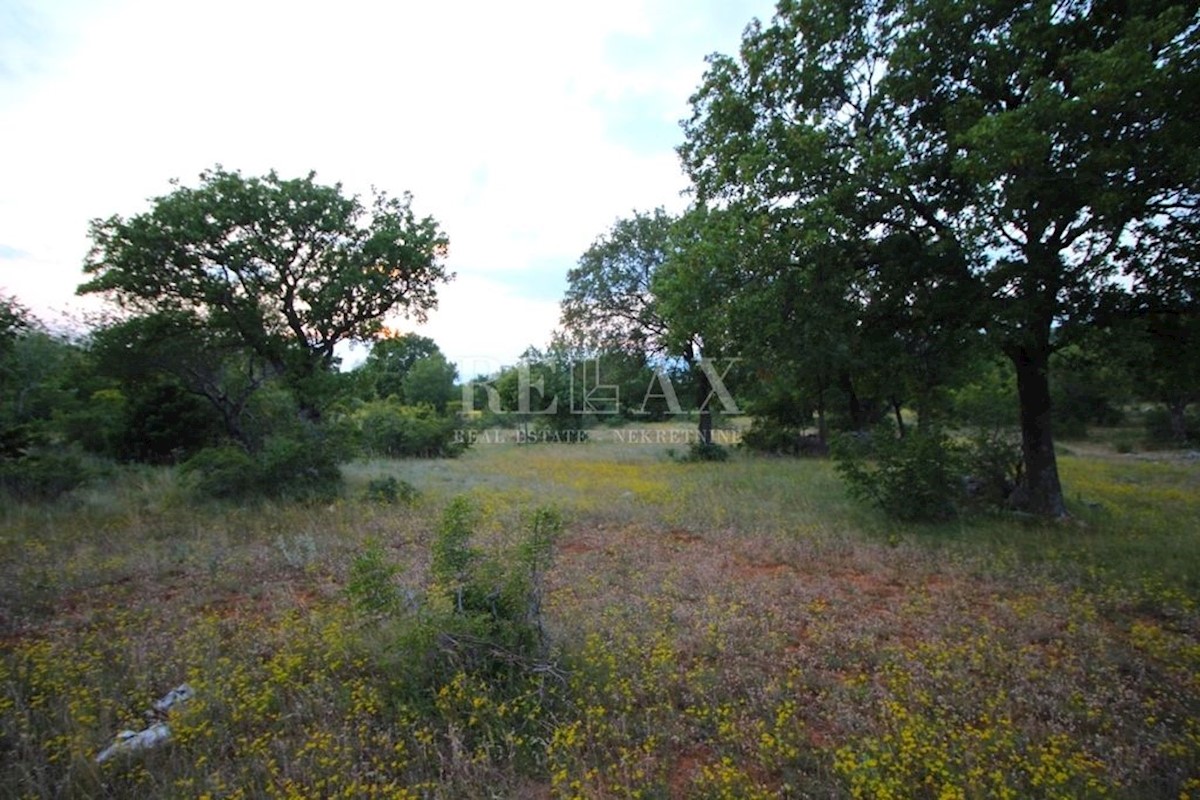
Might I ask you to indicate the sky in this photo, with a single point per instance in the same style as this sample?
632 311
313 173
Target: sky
526 128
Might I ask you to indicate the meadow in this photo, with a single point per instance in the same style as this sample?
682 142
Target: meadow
708 630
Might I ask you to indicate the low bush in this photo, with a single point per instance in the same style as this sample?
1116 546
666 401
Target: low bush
1162 432
914 477
301 465
390 491
927 475
994 467
389 429
41 475
706 451
226 472
480 613
765 436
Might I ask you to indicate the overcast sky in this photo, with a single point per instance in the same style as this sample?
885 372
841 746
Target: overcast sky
525 128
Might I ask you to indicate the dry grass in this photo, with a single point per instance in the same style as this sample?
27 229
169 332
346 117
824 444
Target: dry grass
719 630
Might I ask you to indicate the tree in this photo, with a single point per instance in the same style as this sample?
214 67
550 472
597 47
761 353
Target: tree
1025 147
610 304
613 301
15 319
430 381
287 268
1163 321
391 358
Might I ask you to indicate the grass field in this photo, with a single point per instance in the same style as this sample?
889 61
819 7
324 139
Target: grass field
734 630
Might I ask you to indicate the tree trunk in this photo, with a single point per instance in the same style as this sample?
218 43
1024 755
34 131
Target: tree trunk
900 417
703 389
1040 492
1177 409
822 425
853 405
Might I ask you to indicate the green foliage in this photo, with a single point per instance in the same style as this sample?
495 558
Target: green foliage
926 475
245 284
1162 427
430 381
536 394
989 399
145 355
917 477
226 472
372 583
706 451
608 304
480 614
451 554
15 319
1088 387
390 491
164 423
280 263
299 465
391 357
994 467
386 428
766 436
888 201
41 475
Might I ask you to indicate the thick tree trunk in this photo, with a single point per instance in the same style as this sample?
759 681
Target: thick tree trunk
1040 492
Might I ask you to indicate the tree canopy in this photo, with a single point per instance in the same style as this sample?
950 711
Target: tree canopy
288 268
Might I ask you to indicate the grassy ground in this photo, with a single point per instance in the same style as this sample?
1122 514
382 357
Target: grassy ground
731 630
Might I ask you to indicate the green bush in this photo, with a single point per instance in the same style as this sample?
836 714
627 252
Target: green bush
706 451
1160 432
372 583
480 612
994 467
389 429
766 436
296 466
390 491
915 477
226 472
40 476
300 467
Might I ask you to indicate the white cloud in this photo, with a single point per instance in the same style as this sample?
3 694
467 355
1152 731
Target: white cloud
499 117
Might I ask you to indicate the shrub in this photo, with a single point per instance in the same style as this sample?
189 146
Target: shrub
390 491
41 475
390 429
765 436
1160 431
994 467
480 612
706 451
300 465
226 472
915 477
372 583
